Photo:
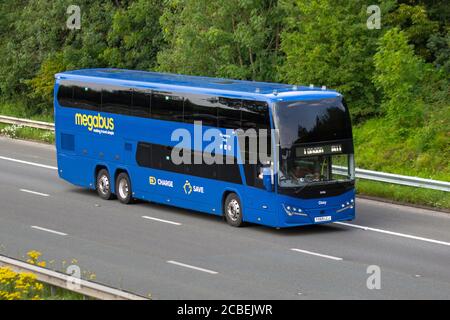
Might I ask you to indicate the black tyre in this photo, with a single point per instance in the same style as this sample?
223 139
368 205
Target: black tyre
123 188
233 210
103 185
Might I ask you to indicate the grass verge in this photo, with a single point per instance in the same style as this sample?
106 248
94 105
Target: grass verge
26 286
22 109
404 194
19 132
55 293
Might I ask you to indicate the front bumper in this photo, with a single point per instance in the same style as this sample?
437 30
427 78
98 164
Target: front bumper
297 212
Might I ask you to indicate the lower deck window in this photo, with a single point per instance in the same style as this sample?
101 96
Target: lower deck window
157 156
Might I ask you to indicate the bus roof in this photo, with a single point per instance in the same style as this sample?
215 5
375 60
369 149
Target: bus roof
251 89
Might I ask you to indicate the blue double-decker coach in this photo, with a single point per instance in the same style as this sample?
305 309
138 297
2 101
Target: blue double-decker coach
117 132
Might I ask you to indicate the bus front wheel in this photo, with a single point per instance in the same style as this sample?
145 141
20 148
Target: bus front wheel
233 210
104 185
123 188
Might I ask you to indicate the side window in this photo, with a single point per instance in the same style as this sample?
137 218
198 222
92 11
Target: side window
252 172
255 114
116 100
87 97
144 154
167 106
201 169
200 108
229 113
141 104
65 95
229 171
161 159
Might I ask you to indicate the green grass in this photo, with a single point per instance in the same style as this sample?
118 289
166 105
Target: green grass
422 151
27 133
22 109
55 293
404 194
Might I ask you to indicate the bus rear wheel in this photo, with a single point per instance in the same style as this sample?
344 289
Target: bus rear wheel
123 188
233 210
103 185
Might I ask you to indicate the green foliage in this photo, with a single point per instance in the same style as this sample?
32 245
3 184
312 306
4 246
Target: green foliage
439 46
398 73
328 43
42 83
404 194
414 21
19 132
422 152
135 36
225 38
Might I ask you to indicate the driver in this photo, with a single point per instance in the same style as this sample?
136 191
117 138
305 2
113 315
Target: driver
299 173
305 172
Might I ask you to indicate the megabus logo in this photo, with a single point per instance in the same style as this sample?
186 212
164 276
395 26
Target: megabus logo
95 123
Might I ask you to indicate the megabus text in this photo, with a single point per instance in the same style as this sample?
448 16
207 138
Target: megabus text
94 122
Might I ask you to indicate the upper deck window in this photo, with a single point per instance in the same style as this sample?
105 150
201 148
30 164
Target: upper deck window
311 121
214 111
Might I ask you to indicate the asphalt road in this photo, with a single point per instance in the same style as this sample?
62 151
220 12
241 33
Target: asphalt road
180 254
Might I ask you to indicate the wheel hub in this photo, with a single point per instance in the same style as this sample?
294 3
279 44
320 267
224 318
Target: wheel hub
103 184
123 188
234 210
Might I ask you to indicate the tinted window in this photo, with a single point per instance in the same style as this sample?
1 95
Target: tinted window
144 154
87 97
229 172
229 113
312 121
167 106
252 172
65 95
116 100
255 114
202 169
200 108
141 104
256 157
159 157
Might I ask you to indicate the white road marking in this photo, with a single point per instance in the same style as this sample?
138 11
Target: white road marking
29 163
398 234
34 192
161 220
191 267
49 230
317 254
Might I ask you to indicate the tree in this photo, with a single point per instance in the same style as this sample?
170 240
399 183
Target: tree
135 36
225 38
399 73
40 44
327 42
414 21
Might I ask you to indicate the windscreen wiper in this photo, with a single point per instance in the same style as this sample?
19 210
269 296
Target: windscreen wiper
297 191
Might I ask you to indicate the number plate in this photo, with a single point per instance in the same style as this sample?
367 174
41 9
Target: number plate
322 219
